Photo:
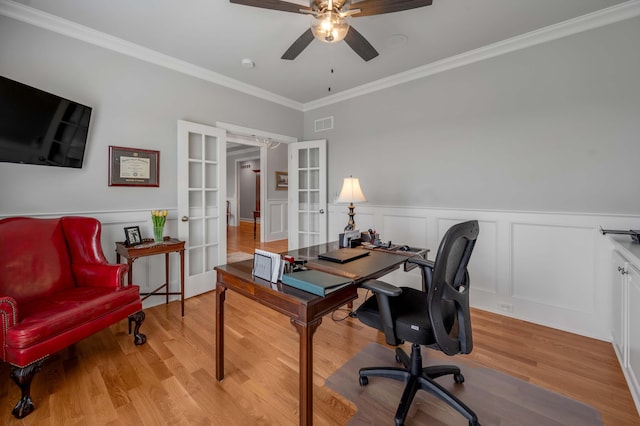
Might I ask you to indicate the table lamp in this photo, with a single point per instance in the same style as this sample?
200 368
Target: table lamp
351 193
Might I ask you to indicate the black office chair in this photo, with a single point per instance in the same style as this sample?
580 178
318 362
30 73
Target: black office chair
437 317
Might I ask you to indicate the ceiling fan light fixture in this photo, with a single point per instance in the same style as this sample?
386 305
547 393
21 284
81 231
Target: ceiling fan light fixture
329 27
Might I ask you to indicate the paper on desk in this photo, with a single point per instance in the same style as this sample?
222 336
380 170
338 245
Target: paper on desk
277 264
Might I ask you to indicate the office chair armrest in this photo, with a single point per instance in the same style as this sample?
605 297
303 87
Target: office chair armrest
420 261
382 288
427 270
383 292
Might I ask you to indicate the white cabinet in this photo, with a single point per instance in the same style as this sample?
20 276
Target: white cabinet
633 351
619 299
625 325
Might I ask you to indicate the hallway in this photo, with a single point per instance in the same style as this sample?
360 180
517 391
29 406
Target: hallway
240 239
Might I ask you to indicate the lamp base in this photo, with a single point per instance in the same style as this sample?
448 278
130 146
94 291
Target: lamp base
351 225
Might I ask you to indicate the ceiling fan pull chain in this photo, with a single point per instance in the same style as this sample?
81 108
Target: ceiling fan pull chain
331 67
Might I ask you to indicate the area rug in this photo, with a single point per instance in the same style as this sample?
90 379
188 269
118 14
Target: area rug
238 256
496 398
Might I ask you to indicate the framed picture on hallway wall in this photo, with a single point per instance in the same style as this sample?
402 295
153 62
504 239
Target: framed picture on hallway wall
282 180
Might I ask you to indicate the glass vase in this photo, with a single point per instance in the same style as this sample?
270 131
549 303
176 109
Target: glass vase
157 233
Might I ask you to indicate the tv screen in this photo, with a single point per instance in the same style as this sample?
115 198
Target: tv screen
37 127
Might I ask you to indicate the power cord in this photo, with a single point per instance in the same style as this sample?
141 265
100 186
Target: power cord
349 313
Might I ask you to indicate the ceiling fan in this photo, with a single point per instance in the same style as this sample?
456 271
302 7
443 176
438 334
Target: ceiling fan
329 23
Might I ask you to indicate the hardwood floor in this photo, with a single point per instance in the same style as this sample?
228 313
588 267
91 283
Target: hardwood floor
106 380
240 238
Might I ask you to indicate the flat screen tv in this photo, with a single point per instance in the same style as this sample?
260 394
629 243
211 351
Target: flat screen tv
37 127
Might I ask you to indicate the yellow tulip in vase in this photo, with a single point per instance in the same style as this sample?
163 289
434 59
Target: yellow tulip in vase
159 217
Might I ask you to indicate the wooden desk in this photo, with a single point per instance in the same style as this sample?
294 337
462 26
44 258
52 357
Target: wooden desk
151 248
304 309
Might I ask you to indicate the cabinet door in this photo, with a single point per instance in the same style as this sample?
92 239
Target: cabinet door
633 282
619 298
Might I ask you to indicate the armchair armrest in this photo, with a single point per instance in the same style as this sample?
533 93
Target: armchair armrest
383 292
100 275
8 318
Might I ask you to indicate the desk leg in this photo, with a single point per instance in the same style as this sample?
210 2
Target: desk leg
166 275
182 281
306 331
220 294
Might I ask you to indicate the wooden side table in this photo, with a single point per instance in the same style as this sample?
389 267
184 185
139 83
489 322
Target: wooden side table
151 248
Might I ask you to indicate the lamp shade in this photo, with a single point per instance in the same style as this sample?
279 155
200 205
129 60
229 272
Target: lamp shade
351 192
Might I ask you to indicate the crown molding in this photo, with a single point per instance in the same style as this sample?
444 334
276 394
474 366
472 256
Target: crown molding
611 15
20 12
65 27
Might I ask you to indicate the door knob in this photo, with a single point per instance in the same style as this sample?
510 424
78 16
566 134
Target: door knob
185 219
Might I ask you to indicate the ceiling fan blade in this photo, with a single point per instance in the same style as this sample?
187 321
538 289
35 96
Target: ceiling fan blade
283 6
378 7
360 45
298 46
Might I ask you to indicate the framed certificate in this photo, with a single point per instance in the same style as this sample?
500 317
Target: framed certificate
133 167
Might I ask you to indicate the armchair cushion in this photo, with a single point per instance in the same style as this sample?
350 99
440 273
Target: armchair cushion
65 310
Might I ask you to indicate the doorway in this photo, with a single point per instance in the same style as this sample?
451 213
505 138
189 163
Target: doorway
242 144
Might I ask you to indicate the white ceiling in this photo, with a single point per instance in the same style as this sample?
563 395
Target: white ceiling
217 35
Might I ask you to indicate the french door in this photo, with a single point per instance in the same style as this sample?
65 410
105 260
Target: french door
307 193
202 203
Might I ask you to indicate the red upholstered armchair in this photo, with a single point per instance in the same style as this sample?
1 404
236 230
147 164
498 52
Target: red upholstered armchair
56 288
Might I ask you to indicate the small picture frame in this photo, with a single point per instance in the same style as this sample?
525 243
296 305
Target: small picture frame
132 236
133 167
282 181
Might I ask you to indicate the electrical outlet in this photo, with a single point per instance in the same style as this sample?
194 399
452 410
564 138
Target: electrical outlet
506 307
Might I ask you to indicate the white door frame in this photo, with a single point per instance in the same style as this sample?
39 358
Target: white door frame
247 136
236 173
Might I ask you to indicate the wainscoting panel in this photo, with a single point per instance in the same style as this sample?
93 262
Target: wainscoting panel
547 268
277 228
553 266
405 229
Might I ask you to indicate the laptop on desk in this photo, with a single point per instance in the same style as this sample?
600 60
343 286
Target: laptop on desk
343 255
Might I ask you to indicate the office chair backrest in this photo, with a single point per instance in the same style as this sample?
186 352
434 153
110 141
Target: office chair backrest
448 296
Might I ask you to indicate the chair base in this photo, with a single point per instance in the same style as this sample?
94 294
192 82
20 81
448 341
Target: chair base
418 377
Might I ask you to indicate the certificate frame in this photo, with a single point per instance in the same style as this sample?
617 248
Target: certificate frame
133 167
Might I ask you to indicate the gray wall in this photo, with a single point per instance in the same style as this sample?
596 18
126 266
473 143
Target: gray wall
278 162
136 104
247 187
554 127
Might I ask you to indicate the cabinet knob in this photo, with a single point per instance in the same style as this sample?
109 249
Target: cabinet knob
620 269
186 219
624 272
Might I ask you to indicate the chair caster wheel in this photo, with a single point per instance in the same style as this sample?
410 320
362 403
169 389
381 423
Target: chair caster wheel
364 381
458 378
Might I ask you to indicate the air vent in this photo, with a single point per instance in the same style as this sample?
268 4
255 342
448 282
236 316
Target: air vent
324 124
